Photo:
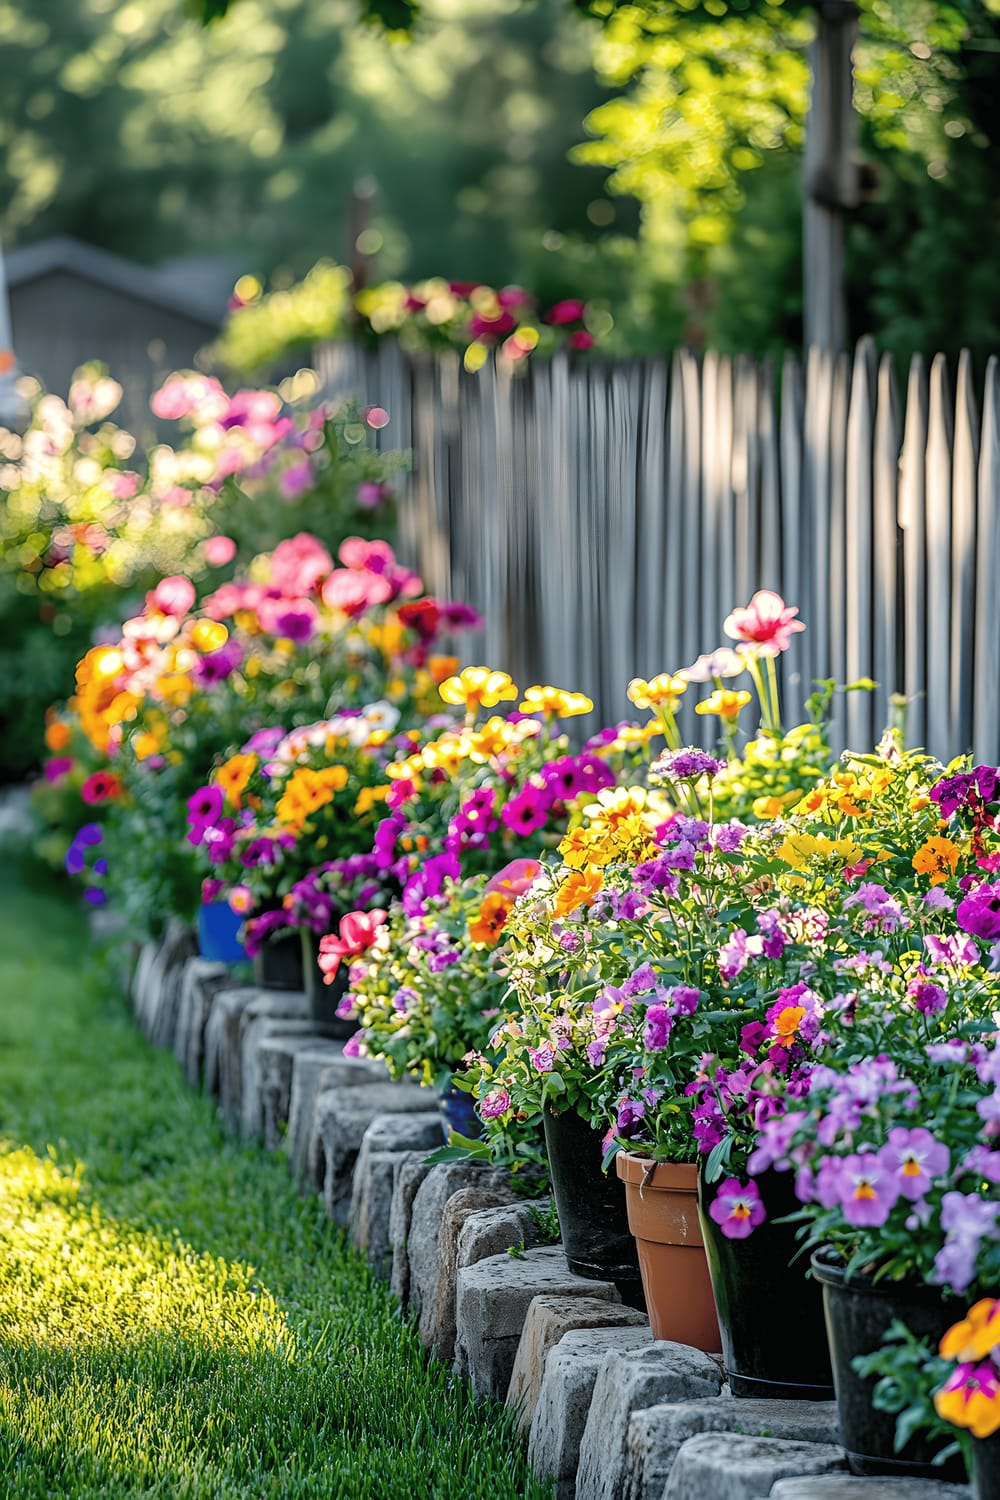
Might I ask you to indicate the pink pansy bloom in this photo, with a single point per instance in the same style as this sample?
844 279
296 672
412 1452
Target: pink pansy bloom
866 1189
358 930
767 622
172 596
353 592
219 550
915 1158
737 1209
291 619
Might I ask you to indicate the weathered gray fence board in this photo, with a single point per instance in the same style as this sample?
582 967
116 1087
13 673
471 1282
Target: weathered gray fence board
606 516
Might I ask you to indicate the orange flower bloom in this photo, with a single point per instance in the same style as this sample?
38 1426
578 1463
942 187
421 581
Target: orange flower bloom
492 918
233 776
975 1335
578 889
57 735
938 858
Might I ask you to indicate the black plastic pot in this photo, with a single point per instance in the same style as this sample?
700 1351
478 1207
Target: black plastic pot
590 1203
858 1315
324 998
770 1310
986 1467
277 965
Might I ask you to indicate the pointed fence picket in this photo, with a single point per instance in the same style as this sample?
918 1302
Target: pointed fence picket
604 516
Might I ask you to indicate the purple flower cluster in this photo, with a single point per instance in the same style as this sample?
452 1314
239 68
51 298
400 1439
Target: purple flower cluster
79 862
686 765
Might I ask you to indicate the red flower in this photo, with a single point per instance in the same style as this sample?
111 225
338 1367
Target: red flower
102 786
358 930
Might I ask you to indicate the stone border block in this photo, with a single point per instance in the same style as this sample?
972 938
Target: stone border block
201 981
565 1393
847 1487
388 1139
733 1466
340 1118
626 1383
492 1304
322 1066
655 1434
549 1318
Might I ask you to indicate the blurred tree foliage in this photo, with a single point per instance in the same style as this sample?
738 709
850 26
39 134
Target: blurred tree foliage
130 126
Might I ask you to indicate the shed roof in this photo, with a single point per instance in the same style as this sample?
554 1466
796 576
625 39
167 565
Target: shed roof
103 268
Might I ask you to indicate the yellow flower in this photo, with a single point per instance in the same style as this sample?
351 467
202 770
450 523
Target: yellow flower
368 797
491 920
478 686
555 701
661 691
209 635
442 667
575 848
145 743
768 807
725 703
938 858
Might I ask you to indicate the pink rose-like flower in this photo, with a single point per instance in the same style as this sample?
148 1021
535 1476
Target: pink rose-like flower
767 621
581 340
737 1209
219 550
569 310
516 878
298 564
496 1103
376 417
172 596
358 931
182 395
125 485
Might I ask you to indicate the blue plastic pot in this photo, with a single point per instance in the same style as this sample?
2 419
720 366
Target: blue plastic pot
219 933
458 1113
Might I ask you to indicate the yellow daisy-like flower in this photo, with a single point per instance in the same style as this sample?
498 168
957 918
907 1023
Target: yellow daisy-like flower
478 687
725 703
369 797
575 848
663 691
555 701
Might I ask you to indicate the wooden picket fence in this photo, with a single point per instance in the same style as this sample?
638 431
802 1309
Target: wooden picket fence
606 516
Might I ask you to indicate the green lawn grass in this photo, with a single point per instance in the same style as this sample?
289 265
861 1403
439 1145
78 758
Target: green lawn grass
174 1320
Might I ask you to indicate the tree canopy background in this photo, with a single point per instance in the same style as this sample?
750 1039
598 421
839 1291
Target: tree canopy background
133 127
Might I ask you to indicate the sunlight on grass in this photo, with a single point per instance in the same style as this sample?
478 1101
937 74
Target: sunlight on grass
70 1277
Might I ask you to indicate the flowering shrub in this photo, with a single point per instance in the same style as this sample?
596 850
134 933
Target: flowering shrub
264 328
296 636
428 988
270 813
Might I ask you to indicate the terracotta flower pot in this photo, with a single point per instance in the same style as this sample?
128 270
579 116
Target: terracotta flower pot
662 1202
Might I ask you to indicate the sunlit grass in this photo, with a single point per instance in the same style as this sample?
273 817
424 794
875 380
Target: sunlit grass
175 1321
